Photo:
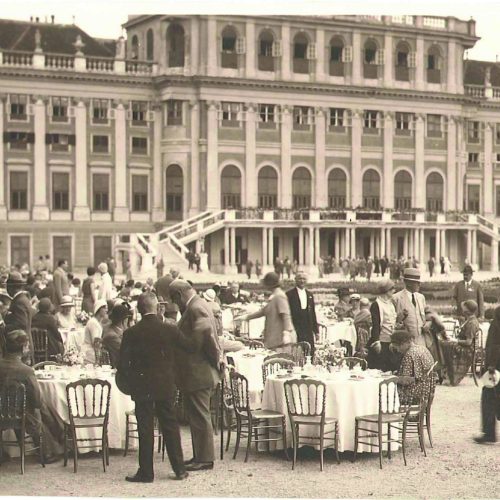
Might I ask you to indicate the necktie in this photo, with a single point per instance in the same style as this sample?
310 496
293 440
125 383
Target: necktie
413 300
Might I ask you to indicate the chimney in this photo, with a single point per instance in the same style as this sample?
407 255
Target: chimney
52 17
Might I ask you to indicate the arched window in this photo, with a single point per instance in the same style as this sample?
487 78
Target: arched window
229 56
370 68
337 188
434 62
371 189
301 188
268 187
336 56
150 50
174 189
175 41
402 62
134 48
300 61
265 58
434 190
231 187
402 190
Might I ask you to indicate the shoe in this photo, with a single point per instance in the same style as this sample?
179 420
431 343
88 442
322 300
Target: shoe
196 466
139 479
51 459
178 477
484 440
189 462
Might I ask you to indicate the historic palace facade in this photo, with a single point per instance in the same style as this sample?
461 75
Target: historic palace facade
249 137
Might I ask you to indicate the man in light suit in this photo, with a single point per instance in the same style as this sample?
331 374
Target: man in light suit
468 289
303 310
197 370
410 304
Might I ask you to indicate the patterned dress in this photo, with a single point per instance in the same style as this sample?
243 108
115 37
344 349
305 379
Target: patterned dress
416 362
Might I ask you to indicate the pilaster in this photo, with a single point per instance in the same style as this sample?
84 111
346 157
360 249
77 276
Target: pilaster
320 138
121 210
285 51
356 191
388 180
451 164
212 46
420 69
40 207
250 48
213 181
320 54
388 57
81 210
195 45
3 171
357 59
419 161
195 158
158 181
250 149
451 78
488 170
286 148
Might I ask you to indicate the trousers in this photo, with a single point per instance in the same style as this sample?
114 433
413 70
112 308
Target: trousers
197 407
167 420
490 402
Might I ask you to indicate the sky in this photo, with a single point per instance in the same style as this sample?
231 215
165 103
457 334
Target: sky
103 18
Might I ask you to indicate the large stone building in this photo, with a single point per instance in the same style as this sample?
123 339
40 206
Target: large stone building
293 136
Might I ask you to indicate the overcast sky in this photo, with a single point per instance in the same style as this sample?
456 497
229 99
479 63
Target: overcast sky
103 18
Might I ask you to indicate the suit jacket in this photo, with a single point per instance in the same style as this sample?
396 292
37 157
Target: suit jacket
146 361
229 298
306 325
492 349
416 315
197 367
48 322
61 285
474 292
19 316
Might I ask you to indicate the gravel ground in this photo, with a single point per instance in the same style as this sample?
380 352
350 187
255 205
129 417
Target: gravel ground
454 468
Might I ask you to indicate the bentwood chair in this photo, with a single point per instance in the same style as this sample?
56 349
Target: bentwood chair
131 432
351 362
280 355
43 364
227 407
306 403
40 344
478 356
88 407
300 351
272 366
13 417
389 416
255 425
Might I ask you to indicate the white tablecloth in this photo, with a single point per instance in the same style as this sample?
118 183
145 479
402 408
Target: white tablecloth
345 400
73 337
343 330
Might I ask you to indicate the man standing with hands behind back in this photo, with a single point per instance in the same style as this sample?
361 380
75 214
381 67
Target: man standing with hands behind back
468 289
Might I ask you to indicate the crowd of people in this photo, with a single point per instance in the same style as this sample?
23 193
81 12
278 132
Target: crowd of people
166 335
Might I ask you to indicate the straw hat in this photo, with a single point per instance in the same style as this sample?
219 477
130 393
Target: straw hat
99 304
411 274
209 295
67 301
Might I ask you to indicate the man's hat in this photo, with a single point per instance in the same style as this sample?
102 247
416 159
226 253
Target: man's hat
355 296
45 305
411 274
384 286
179 285
120 312
467 269
343 291
15 278
271 280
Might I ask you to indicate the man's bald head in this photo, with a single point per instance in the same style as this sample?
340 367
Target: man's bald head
147 303
180 292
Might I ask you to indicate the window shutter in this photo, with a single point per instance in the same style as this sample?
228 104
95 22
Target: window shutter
311 51
347 54
412 60
48 138
72 140
6 137
240 45
380 57
71 111
111 113
276 48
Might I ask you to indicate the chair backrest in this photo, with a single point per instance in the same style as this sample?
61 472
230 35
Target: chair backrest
300 351
305 398
280 355
40 344
239 393
78 304
388 397
43 364
102 356
255 344
88 399
12 404
273 365
351 362
323 330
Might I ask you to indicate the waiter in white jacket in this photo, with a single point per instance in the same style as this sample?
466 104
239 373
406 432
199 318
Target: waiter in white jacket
106 288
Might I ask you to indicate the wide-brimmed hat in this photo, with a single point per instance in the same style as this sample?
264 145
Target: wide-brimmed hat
271 280
343 291
67 301
355 296
365 301
103 267
470 305
384 286
99 304
209 295
16 278
45 305
411 274
400 335
120 312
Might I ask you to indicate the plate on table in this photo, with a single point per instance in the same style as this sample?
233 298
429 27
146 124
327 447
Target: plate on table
44 376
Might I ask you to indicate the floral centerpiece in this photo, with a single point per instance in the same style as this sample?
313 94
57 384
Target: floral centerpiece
329 355
82 317
71 357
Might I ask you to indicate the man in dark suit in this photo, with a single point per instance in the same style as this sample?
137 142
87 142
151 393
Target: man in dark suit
198 370
233 294
303 310
46 320
468 289
61 282
146 371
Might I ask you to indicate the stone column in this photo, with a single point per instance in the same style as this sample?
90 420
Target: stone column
460 164
227 249
337 243
469 245
388 249
264 247
356 183
443 243
285 51
250 149
310 247
320 138
159 206
270 244
388 177
388 64
40 207
419 188
494 255
420 69
383 239
357 59
121 210
488 171
451 164
347 241
451 80
438 245
320 54
422 247
353 242
372 244
195 45
194 205
233 247
317 245
250 60
286 159
474 249
212 46
81 210
301 246
3 170
406 244
213 180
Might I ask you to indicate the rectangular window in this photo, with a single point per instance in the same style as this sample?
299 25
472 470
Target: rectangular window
230 114
139 111
100 143
139 193
337 119
20 140
403 123
60 109
19 190
473 198
100 190
434 126
18 107
473 132
473 159
302 117
60 191
20 250
100 109
60 142
267 116
174 112
139 145
370 121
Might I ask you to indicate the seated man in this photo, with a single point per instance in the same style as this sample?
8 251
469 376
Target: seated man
113 332
46 320
343 308
233 295
13 369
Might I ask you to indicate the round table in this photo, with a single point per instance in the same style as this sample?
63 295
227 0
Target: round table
345 400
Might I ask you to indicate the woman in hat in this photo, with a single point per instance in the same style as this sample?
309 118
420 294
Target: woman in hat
66 317
210 296
434 334
458 353
363 325
46 320
343 308
93 330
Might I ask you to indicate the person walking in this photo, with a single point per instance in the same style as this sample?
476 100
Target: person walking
146 372
430 264
248 268
258 268
106 288
160 266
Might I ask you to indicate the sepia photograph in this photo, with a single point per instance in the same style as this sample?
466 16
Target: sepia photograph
249 250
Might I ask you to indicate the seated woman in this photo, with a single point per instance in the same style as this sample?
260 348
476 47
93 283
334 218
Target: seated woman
458 353
46 320
66 317
113 332
434 334
93 331
363 325
416 362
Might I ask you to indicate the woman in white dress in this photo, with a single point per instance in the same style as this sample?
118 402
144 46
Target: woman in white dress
66 317
447 266
93 330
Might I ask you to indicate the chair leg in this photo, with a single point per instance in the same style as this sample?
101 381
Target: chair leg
127 436
356 437
75 451
321 443
103 448
238 436
283 434
421 436
23 449
295 444
428 424
403 440
249 438
229 425
107 447
473 369
41 450
380 442
65 445
389 440
337 442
